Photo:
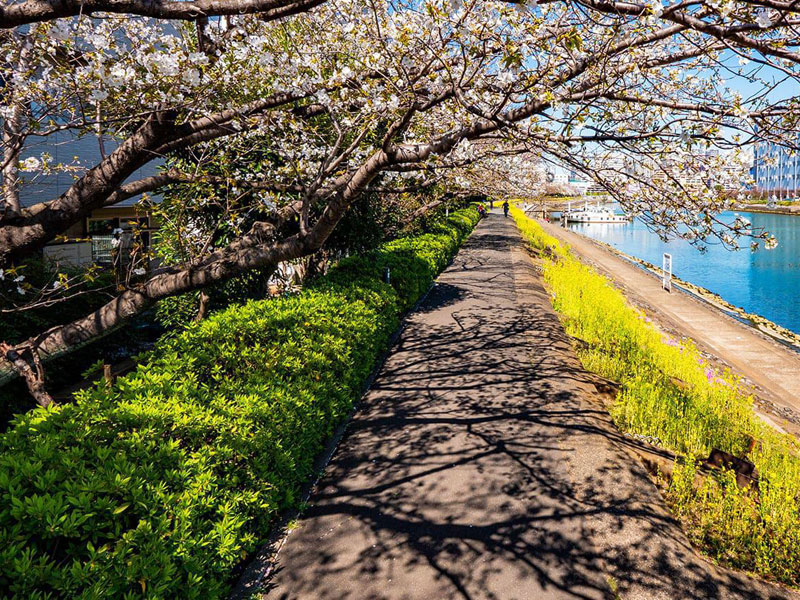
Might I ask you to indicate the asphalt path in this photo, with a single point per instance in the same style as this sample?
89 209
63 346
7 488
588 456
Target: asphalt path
477 467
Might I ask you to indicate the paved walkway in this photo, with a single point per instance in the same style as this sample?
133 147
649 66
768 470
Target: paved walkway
476 469
771 366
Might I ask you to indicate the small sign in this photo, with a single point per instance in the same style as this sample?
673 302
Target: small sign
666 272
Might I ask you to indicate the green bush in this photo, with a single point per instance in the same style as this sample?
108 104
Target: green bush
40 273
160 485
17 326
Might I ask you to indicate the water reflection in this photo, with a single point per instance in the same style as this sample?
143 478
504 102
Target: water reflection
766 282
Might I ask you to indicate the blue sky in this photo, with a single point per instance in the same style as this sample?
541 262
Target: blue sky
785 89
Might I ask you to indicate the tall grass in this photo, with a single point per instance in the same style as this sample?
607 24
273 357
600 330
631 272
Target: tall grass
669 392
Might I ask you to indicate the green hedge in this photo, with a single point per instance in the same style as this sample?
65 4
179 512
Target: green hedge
161 485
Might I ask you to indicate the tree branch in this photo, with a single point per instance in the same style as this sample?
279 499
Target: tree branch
35 11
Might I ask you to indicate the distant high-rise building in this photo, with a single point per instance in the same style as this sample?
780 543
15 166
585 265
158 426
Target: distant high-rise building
776 169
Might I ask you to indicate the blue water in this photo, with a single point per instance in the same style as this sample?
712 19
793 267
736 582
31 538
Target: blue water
765 282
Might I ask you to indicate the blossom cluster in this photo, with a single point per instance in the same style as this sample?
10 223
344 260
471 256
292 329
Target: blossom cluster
554 81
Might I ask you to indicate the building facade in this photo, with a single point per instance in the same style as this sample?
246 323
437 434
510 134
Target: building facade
776 170
90 240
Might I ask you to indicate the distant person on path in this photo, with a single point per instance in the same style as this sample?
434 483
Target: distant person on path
481 211
505 208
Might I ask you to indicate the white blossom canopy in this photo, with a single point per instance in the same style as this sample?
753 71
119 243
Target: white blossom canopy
348 96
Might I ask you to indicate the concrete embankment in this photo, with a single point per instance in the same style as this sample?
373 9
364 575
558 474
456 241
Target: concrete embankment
793 209
769 367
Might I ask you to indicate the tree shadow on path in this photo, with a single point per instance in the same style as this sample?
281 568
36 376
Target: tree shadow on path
476 469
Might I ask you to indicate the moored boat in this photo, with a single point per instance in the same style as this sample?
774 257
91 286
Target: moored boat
593 214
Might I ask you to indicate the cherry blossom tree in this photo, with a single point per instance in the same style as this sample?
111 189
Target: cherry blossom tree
354 96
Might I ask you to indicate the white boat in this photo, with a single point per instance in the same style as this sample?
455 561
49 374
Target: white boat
593 214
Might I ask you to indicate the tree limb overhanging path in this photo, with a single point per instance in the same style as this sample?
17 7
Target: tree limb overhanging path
476 467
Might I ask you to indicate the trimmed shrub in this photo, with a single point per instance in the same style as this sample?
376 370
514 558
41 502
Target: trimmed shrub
161 484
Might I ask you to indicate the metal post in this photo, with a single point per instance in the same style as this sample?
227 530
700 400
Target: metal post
666 272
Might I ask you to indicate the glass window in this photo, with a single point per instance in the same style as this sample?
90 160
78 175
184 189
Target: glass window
102 226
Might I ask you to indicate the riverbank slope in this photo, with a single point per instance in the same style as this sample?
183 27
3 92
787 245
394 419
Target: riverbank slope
790 209
770 368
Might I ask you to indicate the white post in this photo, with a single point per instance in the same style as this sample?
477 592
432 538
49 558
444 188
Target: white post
666 272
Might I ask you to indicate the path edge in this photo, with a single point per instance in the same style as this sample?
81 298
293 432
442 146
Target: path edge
258 568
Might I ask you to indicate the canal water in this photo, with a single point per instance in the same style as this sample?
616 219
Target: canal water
765 282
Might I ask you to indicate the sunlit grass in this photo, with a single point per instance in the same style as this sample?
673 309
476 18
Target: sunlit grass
669 392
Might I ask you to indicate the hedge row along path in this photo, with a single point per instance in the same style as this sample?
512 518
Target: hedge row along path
772 368
162 484
477 468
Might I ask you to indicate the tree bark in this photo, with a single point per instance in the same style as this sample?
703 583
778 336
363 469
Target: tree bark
34 380
202 309
36 11
227 263
46 221
12 133
11 150
102 184
421 211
